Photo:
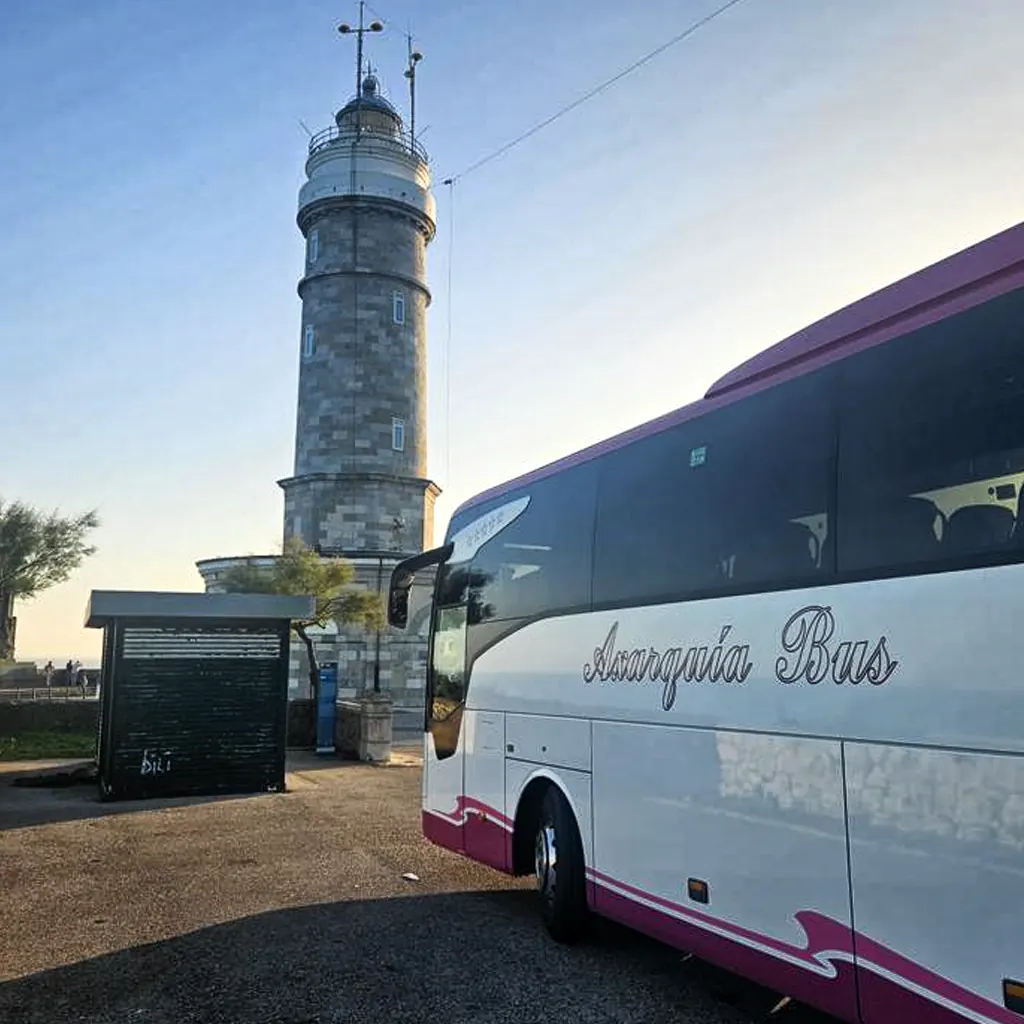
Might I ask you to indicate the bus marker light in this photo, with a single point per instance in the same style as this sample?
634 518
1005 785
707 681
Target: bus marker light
1013 995
697 889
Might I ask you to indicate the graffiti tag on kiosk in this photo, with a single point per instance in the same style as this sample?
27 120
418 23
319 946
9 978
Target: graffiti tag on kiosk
810 654
155 762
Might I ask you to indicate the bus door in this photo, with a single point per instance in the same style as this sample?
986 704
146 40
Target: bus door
446 695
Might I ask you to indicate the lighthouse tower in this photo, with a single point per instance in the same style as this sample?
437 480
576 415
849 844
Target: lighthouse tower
367 214
359 489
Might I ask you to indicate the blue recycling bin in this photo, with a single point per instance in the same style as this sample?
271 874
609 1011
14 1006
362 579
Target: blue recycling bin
327 710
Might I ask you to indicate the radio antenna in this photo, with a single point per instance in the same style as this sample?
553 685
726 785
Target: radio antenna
345 29
410 72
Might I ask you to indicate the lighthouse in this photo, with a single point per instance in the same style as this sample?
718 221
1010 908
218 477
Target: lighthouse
366 212
359 488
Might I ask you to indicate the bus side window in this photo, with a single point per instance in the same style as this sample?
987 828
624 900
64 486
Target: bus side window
736 500
540 564
932 444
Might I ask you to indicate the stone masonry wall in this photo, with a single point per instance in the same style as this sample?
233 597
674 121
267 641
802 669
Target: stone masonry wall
72 716
365 369
351 489
360 512
345 242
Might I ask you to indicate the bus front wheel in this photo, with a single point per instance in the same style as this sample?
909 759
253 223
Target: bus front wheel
559 869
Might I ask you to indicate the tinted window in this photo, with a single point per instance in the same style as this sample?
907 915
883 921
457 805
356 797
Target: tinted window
447 681
932 443
449 659
540 563
738 499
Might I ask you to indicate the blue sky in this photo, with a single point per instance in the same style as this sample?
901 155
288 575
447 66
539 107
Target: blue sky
787 159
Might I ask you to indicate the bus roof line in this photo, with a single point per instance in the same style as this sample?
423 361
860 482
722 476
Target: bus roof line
852 327
980 272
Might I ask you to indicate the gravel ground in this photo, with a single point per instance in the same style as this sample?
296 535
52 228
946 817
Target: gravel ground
292 909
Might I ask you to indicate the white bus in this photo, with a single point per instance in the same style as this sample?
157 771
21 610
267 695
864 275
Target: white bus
750 678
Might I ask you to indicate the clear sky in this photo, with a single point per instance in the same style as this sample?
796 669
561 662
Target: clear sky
789 158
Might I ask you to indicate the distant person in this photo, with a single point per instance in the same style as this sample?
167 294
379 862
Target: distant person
83 680
48 671
69 671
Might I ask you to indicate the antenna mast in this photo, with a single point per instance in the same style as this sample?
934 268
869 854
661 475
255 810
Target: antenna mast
346 29
410 72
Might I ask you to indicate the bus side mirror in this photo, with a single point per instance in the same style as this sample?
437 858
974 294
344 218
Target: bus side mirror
402 577
398 606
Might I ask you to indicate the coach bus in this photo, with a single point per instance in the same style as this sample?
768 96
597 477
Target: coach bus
749 678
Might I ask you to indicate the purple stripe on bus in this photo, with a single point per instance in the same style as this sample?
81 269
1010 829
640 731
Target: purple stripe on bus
886 970
475 831
821 973
832 938
836 995
984 271
883 1000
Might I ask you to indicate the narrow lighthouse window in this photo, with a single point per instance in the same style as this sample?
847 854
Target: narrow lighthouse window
398 307
398 435
308 342
314 246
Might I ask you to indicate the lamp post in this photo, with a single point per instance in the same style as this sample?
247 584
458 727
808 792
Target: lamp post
376 653
397 528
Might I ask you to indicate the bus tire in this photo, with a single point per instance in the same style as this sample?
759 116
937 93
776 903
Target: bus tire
559 869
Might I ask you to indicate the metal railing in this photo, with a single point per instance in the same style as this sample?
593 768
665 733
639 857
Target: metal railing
47 693
368 138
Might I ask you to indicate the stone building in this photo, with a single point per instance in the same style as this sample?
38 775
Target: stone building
360 489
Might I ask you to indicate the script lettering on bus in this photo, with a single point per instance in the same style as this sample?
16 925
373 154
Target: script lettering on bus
812 657
721 663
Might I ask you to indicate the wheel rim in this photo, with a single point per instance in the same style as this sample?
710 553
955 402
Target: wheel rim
546 861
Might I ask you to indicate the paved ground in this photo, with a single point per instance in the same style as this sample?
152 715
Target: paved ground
292 909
